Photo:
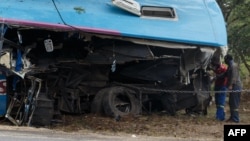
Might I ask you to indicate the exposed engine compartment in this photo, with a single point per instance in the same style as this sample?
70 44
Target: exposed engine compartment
82 73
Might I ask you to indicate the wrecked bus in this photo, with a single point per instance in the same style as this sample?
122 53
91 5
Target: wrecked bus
107 57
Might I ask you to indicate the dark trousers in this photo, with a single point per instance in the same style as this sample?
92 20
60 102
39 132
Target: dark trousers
234 102
220 100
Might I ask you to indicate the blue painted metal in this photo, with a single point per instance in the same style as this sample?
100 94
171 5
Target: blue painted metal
3 96
198 21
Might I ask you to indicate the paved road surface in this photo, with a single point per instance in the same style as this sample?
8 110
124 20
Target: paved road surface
13 133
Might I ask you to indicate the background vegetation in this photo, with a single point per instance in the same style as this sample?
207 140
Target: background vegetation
237 18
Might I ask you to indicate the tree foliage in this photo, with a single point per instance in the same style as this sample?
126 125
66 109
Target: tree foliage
237 17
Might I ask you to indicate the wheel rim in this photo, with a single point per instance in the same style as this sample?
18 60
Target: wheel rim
122 102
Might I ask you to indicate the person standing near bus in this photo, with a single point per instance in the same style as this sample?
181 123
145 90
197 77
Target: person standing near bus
220 87
234 85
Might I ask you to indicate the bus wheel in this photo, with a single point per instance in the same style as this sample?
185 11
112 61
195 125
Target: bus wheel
121 101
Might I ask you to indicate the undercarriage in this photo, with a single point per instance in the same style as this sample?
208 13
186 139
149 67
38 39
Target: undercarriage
52 72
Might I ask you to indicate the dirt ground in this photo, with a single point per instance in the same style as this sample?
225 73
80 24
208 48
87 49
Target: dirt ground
155 124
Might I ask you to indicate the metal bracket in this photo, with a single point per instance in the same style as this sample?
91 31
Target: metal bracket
28 100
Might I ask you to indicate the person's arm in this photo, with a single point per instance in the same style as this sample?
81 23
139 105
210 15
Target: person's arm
230 76
222 75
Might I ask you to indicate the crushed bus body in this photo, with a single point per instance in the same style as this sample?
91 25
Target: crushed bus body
109 57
